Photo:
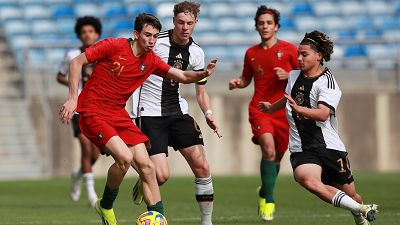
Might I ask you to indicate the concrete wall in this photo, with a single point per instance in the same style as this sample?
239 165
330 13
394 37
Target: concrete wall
368 125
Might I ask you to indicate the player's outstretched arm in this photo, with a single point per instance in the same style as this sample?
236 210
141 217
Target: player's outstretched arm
241 82
204 102
187 77
267 107
75 68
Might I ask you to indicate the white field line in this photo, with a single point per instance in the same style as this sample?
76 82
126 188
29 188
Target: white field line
197 218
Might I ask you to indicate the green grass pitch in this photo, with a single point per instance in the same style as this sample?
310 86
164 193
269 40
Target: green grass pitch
47 202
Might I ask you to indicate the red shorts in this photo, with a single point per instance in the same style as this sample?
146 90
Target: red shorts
263 123
100 128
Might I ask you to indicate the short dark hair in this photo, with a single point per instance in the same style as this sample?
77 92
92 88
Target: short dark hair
87 20
319 42
263 10
143 19
187 7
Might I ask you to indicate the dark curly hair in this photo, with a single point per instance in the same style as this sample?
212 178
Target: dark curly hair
87 20
143 19
319 42
263 10
187 7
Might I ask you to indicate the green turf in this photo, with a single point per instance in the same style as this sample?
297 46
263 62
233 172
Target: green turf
47 202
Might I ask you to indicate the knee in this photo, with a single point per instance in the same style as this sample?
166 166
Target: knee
268 153
124 162
147 169
162 178
311 185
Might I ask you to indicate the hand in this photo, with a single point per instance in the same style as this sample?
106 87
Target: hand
211 66
265 107
281 73
234 83
292 104
212 124
67 111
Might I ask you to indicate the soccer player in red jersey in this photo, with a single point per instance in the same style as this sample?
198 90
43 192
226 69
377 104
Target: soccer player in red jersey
122 66
269 63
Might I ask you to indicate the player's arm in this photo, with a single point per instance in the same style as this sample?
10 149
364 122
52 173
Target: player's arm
204 102
75 68
320 114
62 79
187 77
241 82
281 74
267 107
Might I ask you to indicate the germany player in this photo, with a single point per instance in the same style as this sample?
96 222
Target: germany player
121 66
162 114
88 30
318 156
269 63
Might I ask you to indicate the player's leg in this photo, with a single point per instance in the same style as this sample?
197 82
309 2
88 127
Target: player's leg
196 158
87 160
147 172
76 175
350 190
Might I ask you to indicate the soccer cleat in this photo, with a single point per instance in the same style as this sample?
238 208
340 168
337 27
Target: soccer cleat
137 194
363 223
92 200
368 211
75 191
107 215
265 210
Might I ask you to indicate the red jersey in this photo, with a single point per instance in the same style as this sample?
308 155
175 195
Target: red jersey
260 63
118 72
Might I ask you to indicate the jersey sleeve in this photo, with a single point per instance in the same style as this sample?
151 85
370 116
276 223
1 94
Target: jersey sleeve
64 67
247 70
161 68
101 50
329 93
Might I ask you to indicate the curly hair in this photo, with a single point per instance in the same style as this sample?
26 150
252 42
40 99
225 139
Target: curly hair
87 20
187 7
319 42
143 19
263 10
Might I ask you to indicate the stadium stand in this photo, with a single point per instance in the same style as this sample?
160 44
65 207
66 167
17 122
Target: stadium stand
360 28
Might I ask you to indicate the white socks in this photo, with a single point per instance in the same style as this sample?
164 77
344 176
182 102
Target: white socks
89 184
205 196
345 202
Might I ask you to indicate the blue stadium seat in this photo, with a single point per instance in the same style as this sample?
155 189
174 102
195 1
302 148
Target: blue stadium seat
372 34
226 24
347 35
36 57
302 8
10 13
167 23
37 13
25 3
376 8
206 38
326 8
334 23
361 23
81 1
47 37
349 8
123 25
307 23
286 24
66 26
211 52
164 10
57 2
125 34
16 28
238 51
285 9
88 9
388 23
245 9
63 12
355 51
8 3
134 9
116 11
241 38
249 25
205 25
108 1
383 55
220 10
55 55
17 42
43 27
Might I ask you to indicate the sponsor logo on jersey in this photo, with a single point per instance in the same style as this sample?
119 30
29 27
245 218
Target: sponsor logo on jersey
301 88
252 59
179 56
121 57
279 54
100 135
142 67
148 147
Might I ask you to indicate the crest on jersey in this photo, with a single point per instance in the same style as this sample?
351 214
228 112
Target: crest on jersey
299 98
279 54
178 64
100 135
142 67
258 127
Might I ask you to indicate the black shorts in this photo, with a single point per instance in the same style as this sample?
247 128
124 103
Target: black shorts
176 131
75 125
335 164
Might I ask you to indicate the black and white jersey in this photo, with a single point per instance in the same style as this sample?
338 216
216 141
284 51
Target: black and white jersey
86 70
159 96
306 133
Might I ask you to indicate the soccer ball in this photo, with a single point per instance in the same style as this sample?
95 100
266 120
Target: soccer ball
152 218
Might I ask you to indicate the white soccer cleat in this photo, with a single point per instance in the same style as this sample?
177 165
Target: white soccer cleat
368 211
75 191
92 200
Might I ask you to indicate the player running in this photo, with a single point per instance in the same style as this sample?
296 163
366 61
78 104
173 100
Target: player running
122 66
163 114
88 30
318 156
269 63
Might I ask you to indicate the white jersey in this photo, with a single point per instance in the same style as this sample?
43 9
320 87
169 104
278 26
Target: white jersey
306 133
159 96
86 70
